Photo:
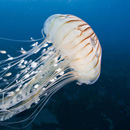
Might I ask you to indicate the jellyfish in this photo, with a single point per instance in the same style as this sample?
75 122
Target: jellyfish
69 52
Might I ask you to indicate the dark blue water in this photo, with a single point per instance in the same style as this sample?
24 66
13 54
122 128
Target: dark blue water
104 105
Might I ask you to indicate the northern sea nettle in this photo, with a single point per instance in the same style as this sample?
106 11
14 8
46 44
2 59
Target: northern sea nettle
70 51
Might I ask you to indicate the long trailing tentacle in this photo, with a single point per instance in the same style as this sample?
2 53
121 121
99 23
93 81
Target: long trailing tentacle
50 58
55 87
14 40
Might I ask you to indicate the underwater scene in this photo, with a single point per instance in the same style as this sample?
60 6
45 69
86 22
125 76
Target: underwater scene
64 64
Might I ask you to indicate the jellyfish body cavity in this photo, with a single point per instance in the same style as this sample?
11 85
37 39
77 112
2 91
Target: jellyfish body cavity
70 51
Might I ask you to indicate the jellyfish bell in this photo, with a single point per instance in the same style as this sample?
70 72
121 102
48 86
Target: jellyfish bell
70 51
76 40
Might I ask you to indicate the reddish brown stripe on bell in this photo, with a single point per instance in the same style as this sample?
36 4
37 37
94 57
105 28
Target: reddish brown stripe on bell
86 45
87 37
89 52
73 21
82 25
86 29
92 59
96 63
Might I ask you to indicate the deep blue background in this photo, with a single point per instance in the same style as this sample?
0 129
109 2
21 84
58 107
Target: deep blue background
102 106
